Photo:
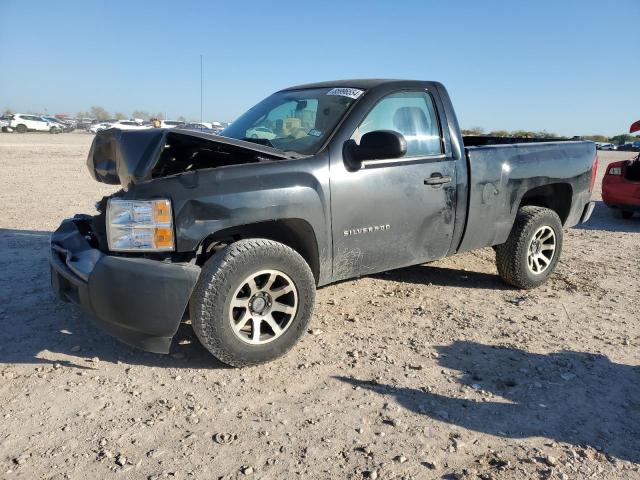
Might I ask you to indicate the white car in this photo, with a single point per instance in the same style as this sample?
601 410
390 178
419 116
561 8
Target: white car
23 123
170 123
98 127
129 125
261 132
120 124
606 146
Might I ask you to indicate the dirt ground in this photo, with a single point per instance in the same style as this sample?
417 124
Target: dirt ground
437 371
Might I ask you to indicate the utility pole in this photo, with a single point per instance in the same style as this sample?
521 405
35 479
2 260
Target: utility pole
200 88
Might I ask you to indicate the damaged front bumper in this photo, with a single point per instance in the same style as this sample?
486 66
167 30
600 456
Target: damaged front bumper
137 300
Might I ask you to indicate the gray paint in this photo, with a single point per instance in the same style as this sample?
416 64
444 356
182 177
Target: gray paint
328 195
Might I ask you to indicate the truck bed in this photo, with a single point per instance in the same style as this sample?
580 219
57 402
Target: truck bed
499 176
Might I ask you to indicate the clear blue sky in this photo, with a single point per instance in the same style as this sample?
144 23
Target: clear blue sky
569 66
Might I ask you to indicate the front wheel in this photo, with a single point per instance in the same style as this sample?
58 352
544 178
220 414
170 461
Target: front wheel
253 302
533 248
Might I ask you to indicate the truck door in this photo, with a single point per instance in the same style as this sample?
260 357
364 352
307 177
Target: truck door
393 213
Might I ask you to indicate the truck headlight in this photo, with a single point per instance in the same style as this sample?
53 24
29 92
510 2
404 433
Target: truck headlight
139 226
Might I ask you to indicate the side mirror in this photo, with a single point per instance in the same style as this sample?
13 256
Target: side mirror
379 145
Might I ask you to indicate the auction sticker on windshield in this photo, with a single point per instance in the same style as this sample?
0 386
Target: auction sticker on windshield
346 92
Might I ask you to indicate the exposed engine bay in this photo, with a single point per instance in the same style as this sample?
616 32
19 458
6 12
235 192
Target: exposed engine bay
126 157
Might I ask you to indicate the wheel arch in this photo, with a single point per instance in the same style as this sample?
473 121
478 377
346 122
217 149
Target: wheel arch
554 196
296 233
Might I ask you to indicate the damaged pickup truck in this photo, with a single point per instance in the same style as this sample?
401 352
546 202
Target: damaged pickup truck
315 184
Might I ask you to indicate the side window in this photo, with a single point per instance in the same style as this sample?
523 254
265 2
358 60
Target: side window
411 114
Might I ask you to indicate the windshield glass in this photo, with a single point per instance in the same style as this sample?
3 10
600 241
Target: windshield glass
294 120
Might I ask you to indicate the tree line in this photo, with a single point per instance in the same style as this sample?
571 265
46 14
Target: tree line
100 113
616 139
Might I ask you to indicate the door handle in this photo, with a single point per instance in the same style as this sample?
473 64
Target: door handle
437 180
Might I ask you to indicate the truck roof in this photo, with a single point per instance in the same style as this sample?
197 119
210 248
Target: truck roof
362 83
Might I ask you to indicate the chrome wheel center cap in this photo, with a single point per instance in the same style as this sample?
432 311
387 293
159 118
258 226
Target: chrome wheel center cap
260 303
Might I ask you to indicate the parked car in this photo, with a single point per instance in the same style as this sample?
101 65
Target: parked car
605 146
5 121
129 125
84 123
199 127
65 127
119 124
98 127
621 187
23 123
261 132
170 123
238 234
629 147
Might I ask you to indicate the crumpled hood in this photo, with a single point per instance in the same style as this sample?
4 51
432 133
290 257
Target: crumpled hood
129 156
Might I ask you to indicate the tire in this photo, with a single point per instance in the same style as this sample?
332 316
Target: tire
21 128
223 282
516 262
626 214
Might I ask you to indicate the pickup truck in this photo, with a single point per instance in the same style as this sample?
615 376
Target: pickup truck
360 176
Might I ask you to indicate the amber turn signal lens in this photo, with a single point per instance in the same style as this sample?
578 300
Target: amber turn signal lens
162 211
163 237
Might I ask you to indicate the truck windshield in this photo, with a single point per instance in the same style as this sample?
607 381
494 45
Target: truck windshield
294 120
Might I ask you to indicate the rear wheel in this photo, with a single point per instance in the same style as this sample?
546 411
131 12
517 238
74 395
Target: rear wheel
253 302
21 128
533 248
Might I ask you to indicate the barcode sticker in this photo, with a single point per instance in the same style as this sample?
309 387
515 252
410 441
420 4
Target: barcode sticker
346 92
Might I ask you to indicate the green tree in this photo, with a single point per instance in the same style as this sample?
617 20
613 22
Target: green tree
8 111
141 114
523 134
182 119
99 113
83 115
621 139
159 116
545 134
499 133
119 116
473 131
597 138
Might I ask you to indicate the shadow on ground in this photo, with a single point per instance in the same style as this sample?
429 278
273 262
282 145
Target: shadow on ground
446 277
33 322
609 220
574 397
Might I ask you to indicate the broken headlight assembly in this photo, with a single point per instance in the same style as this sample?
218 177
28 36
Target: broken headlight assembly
139 225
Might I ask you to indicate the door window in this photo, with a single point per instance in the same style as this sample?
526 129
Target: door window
411 114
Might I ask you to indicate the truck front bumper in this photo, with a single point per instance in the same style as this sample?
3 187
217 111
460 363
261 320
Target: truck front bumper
137 300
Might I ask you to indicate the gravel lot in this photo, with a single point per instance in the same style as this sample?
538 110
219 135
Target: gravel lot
437 371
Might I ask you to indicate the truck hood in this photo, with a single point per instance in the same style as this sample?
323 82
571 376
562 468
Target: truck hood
127 157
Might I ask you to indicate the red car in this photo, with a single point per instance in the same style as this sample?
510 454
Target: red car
621 186
621 183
